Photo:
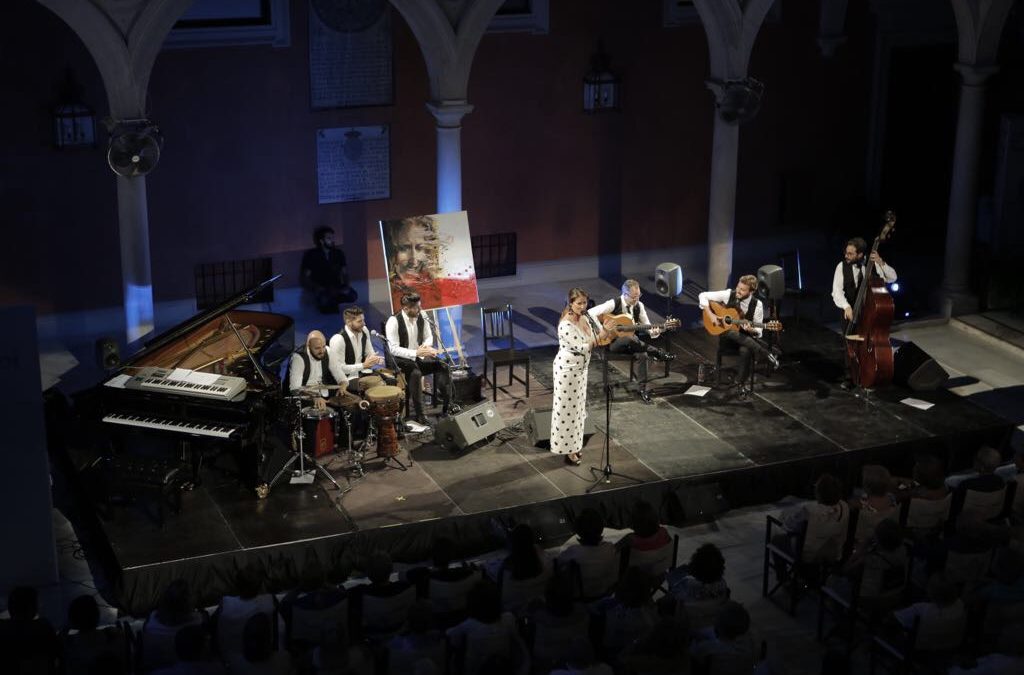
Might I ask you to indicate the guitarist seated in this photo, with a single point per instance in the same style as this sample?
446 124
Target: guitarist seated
751 309
629 343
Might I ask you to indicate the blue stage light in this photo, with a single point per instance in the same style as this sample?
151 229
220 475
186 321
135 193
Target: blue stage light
895 287
906 314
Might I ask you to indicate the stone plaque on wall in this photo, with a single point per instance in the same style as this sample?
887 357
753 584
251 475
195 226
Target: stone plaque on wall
350 53
353 164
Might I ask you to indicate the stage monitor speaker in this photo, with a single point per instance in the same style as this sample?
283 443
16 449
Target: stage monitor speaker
912 367
468 427
537 422
668 280
771 281
108 354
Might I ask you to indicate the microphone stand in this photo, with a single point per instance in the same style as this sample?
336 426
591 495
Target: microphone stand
389 358
605 473
448 363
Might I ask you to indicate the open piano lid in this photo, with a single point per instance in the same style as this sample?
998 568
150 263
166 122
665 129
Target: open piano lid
199 319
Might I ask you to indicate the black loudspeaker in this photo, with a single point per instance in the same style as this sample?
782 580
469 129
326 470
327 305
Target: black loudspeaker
912 367
108 354
537 423
468 427
771 281
668 280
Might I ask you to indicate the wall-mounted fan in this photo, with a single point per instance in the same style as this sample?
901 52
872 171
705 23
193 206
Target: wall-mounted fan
134 147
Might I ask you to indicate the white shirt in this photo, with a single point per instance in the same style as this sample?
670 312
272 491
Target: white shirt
337 347
627 308
391 330
887 273
316 372
744 305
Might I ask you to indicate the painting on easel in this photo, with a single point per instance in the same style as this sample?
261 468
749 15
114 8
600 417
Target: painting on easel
430 255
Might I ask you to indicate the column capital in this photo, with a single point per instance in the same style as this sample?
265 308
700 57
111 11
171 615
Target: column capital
973 74
449 114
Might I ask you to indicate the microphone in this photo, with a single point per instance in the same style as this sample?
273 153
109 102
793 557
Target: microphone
378 335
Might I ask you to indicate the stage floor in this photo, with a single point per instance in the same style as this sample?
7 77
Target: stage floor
797 413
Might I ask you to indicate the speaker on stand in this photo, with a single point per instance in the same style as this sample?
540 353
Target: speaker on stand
108 354
668 282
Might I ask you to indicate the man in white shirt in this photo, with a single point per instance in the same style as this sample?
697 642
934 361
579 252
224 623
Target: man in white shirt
742 298
849 273
629 343
411 341
312 366
351 347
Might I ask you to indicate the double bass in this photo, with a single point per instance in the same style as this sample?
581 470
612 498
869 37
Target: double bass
868 350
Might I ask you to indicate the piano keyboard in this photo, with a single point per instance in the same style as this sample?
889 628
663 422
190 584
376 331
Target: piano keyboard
163 424
223 388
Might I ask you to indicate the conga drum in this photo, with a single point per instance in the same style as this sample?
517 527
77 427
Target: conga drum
385 402
368 382
318 428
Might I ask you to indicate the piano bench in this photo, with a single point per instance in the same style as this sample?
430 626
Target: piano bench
133 477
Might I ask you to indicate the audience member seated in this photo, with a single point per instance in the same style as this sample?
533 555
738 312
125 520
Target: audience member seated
665 650
383 604
582 660
941 619
488 632
175 611
524 573
445 586
926 498
419 640
259 655
84 642
728 648
595 560
28 642
229 620
649 545
316 613
337 659
823 524
874 502
982 479
556 623
1013 474
1000 600
879 569
1007 660
193 655
628 615
700 586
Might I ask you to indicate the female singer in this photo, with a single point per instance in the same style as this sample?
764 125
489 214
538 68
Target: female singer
577 335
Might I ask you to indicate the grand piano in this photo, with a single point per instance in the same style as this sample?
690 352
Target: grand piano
208 384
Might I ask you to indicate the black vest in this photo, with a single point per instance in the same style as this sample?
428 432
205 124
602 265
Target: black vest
325 366
751 308
403 332
350 351
850 287
617 309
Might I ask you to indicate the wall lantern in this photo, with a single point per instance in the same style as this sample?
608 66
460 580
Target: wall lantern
74 123
601 87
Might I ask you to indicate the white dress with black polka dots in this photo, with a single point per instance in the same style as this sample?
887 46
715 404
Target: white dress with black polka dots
569 404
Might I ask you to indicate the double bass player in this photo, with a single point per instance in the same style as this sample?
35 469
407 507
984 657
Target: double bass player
847 282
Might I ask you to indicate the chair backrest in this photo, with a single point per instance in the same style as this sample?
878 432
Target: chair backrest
450 596
868 520
983 505
655 562
967 567
496 324
516 594
387 613
927 514
824 538
321 625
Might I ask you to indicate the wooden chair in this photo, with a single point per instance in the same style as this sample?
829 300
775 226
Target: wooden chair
497 326
728 348
925 647
794 566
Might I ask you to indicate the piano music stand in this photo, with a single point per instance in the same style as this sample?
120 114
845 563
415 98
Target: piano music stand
302 474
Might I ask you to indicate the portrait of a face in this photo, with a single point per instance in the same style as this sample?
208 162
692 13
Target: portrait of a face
430 255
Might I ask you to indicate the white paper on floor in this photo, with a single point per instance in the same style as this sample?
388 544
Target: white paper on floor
697 390
917 403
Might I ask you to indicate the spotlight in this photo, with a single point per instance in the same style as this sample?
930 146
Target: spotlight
895 287
906 314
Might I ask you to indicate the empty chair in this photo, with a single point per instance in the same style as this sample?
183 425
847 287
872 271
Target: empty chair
500 348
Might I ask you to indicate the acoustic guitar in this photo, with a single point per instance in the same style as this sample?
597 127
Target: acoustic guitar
732 320
624 324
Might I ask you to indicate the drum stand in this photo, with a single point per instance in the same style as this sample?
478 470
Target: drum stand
302 474
357 459
371 439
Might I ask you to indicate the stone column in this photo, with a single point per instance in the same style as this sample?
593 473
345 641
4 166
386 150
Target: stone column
963 191
725 147
136 273
449 116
